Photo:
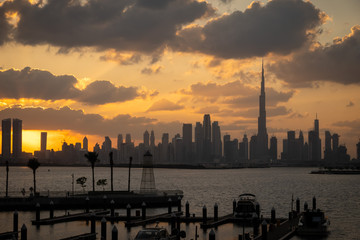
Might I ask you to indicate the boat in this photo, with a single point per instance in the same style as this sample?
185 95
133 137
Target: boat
313 223
246 206
158 233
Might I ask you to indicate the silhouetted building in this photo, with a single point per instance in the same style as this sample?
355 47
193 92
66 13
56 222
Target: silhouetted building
6 138
358 150
128 138
119 141
216 141
262 152
164 155
17 138
43 141
187 142
253 148
199 141
314 143
207 138
85 144
273 149
244 149
146 139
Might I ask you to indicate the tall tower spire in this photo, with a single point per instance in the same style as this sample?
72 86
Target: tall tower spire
262 137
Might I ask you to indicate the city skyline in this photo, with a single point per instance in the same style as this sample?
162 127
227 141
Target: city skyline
72 78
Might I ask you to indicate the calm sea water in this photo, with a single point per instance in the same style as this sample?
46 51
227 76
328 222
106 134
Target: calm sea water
337 195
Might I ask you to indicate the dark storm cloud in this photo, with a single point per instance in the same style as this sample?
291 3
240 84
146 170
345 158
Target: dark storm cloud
78 121
39 84
338 62
279 27
4 28
123 25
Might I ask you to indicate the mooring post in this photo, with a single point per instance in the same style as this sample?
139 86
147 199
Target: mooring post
169 205
104 201
234 206
173 221
37 214
92 222
179 204
314 203
128 212
178 223
143 211
204 214
103 229
16 223
273 215
264 230
257 209
297 205
114 233
112 208
256 225
23 232
211 235
87 204
51 207
306 207
216 210
187 209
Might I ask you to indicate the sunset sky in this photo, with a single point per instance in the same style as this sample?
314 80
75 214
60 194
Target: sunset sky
98 68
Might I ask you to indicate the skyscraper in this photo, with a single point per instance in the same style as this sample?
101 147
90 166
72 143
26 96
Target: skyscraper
358 150
199 141
85 144
146 139
164 155
43 141
207 138
187 142
262 153
314 143
119 141
273 148
17 138
6 138
216 140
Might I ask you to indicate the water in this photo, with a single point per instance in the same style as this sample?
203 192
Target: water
337 195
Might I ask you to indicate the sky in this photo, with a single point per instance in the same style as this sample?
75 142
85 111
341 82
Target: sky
98 68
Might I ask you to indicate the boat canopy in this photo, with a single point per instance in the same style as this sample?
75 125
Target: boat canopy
246 195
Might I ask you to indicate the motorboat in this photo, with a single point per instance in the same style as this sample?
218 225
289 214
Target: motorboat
313 223
246 206
158 233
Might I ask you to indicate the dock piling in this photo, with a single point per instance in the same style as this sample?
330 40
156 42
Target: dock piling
216 210
273 215
256 223
112 208
169 205
103 229
23 232
105 201
204 214
51 207
211 235
92 222
257 209
87 204
37 214
16 223
306 207
179 204
114 233
143 211
128 212
187 209
264 230
314 203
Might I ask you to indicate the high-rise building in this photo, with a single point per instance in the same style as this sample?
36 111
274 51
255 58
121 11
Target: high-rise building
273 148
187 142
216 140
262 153
314 143
107 145
244 149
358 150
119 141
146 139
85 144
152 139
164 154
207 138
128 138
43 141
17 138
6 138
199 141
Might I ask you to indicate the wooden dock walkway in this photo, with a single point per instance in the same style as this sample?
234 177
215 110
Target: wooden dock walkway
68 218
152 219
85 236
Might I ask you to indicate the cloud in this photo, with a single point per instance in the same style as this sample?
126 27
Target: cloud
122 59
254 112
164 105
350 104
152 70
280 27
354 124
235 94
338 62
139 25
40 84
78 121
